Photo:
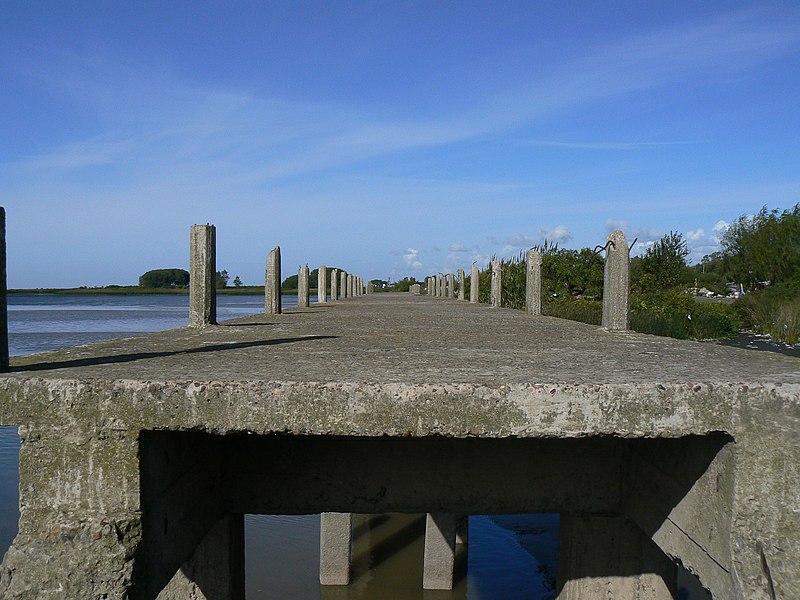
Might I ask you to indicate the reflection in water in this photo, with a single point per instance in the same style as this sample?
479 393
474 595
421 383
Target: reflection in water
282 555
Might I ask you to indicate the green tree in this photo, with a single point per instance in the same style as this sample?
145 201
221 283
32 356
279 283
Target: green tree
764 247
164 278
221 279
663 266
237 282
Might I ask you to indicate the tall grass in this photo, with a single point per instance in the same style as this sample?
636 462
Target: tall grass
773 314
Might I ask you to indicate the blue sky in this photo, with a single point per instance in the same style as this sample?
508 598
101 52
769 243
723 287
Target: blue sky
388 138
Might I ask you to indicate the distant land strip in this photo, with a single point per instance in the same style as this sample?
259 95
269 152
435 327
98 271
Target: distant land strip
131 290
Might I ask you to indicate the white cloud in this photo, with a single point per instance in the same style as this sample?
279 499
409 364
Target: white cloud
719 230
695 235
411 258
559 234
458 248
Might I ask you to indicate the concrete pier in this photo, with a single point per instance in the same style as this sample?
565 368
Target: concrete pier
496 299
607 556
440 551
533 282
343 285
334 285
302 287
616 283
133 450
202 276
322 285
462 290
349 284
474 284
442 286
3 294
335 548
272 283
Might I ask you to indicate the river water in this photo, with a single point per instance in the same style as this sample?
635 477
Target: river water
510 557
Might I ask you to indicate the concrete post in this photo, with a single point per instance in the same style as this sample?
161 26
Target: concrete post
215 571
335 542
302 287
533 282
440 550
334 285
349 284
343 285
3 294
616 283
272 283
451 282
322 285
497 284
202 276
461 285
474 283
441 286
609 557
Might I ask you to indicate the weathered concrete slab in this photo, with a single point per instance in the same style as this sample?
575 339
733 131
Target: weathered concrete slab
697 444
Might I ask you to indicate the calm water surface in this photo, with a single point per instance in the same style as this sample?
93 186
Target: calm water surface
510 557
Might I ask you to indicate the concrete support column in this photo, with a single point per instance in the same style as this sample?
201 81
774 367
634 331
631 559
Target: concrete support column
440 551
616 283
462 290
302 287
497 284
335 543
533 282
202 276
474 283
3 294
451 282
609 557
441 286
349 284
272 283
462 530
334 285
215 570
343 285
322 285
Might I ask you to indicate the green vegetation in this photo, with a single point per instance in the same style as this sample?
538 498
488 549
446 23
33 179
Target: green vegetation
572 288
164 278
761 253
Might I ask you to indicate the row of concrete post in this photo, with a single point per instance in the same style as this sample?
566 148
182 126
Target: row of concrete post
443 531
616 283
202 280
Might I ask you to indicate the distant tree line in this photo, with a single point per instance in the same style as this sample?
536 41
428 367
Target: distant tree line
179 278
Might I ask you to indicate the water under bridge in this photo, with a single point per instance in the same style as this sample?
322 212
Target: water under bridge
139 456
